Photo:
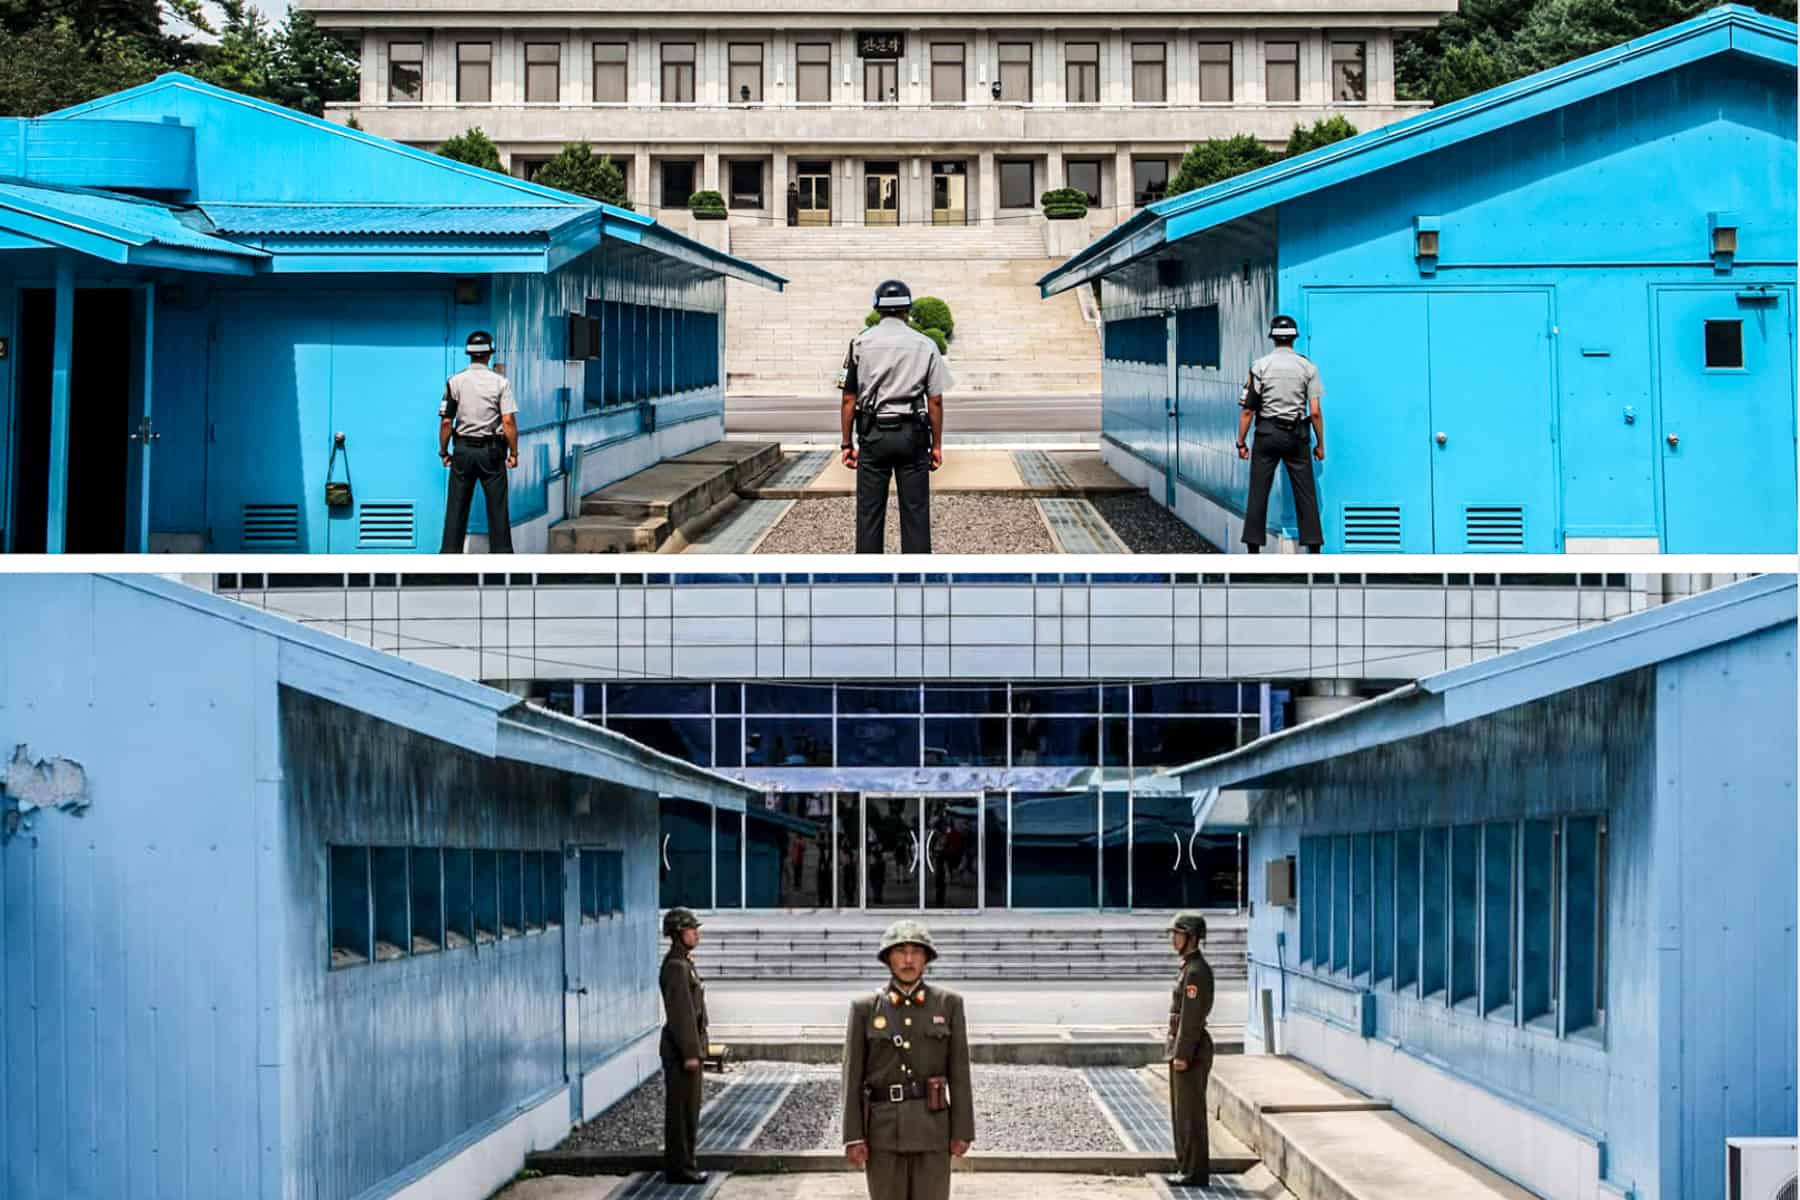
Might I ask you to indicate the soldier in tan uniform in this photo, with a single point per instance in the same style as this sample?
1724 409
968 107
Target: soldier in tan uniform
1189 1050
907 1104
1282 395
683 1046
478 410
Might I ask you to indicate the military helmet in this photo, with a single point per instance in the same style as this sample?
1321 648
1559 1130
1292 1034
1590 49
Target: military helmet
1190 923
678 919
904 932
1284 326
480 342
892 295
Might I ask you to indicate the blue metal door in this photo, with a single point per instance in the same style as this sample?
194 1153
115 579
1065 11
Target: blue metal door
1377 410
1726 426
1172 448
573 987
1493 430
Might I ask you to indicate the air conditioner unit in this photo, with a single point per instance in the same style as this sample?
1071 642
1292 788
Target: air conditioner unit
1762 1168
1278 880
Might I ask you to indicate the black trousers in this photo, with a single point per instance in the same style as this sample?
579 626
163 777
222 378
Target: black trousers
1291 448
682 1092
904 453
471 464
1187 1112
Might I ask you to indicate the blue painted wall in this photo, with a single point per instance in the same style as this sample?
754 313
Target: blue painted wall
1696 782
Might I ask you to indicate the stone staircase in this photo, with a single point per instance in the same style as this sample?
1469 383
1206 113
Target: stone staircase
994 948
1008 340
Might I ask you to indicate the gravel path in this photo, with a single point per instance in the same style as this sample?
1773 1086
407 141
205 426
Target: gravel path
960 524
1018 1110
1146 527
636 1122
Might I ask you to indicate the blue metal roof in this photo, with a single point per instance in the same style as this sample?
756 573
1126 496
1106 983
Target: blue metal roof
1728 29
1508 680
390 220
107 224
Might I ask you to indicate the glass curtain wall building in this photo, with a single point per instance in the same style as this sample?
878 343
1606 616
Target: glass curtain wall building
937 795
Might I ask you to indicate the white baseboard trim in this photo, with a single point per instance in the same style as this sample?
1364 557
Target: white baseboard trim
478 1171
614 1079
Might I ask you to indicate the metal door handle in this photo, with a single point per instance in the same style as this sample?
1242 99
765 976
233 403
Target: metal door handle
581 991
1191 862
665 852
1177 865
928 839
1674 441
1442 439
916 850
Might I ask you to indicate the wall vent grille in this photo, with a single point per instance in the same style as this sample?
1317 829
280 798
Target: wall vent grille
1371 527
1494 526
385 525
271 527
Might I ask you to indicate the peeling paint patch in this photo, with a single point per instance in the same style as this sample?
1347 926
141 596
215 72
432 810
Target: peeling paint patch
28 785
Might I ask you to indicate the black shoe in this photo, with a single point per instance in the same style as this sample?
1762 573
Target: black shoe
1187 1181
686 1178
1252 547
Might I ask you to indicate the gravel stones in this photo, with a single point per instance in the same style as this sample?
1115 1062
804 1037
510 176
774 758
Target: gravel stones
636 1121
1146 527
960 524
809 1119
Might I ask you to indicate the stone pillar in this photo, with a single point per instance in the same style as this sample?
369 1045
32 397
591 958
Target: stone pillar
709 169
1051 76
642 188
1124 191
1315 70
374 77
1053 169
642 81
852 191
989 187
778 185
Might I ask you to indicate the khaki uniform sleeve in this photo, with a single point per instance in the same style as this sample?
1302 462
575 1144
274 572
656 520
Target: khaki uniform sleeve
1315 387
856 1054
507 404
962 1096
937 376
678 1004
1196 1006
447 406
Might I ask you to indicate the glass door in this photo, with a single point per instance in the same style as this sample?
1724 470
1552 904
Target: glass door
814 180
949 193
893 851
1164 874
881 194
952 843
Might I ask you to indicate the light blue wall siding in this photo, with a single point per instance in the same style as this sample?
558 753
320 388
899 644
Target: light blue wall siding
1723 895
390 1061
129 935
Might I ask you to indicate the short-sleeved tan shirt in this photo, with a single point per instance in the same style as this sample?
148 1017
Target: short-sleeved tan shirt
891 363
479 396
1283 384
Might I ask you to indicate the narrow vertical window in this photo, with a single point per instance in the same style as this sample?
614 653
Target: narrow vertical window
554 898
427 900
745 72
678 72
512 894
351 939
1584 924
812 72
393 926
1406 909
1215 72
1340 904
1539 845
1281 63
459 899
484 875
1015 72
1362 896
947 75
1149 72
1349 71
406 71
1434 907
543 73
1082 72
611 73
474 72
1465 911
1383 908
1498 934
1308 902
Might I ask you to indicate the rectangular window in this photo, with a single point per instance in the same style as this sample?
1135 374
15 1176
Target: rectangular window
1149 179
1084 176
1281 64
554 899
947 80
387 880
965 742
787 742
1172 741
881 82
1309 899
1382 907
1584 924
427 900
543 73
746 183
1215 72
1497 934
728 858
677 186
459 899
1015 72
868 741
1465 911
534 892
602 884
1017 184
1539 845
349 890
484 870
678 74
1362 895
612 73
1149 73
812 72
1406 909
1197 336
745 77
406 71
1340 904
474 72
1434 907
1725 345
1056 741
512 893
1081 71
1349 74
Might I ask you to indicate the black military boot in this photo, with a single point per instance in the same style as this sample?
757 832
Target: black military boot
686 1178
1179 1180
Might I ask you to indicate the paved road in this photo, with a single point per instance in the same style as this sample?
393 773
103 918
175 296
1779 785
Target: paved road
980 413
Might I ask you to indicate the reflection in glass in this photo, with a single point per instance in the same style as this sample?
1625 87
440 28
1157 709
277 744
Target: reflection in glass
1053 850
951 847
1174 741
974 698
787 698
686 853
900 700
849 836
878 742
790 851
658 699
730 860
1115 848
892 853
787 742
994 814
1056 741
1162 875
1190 698
965 742
1073 700
728 742
1218 861
1115 742
684 737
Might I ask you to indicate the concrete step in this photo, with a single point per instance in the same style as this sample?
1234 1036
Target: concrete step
638 514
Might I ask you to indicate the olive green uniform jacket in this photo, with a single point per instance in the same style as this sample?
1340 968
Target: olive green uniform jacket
939 1038
683 1037
1190 1003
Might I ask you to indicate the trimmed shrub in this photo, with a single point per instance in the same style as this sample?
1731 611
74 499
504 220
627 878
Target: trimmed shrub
1064 204
937 335
870 320
928 312
708 206
475 148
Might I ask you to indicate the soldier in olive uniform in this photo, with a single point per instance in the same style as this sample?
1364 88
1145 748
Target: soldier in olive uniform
1189 1050
683 1046
907 1104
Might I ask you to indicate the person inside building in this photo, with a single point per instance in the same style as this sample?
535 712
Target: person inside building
907 1105
1189 1051
683 1046
479 412
1282 395
893 384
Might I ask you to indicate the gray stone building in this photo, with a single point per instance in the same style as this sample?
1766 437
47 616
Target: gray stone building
937 113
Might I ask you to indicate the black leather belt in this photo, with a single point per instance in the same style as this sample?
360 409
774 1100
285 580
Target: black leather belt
1288 424
489 440
895 1093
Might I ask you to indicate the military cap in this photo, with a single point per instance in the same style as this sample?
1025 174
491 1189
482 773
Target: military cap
907 931
678 919
892 294
480 342
1190 923
1284 326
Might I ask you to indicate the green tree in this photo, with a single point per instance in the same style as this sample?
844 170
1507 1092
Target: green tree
1219 158
50 67
309 67
240 61
475 148
1322 132
575 169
